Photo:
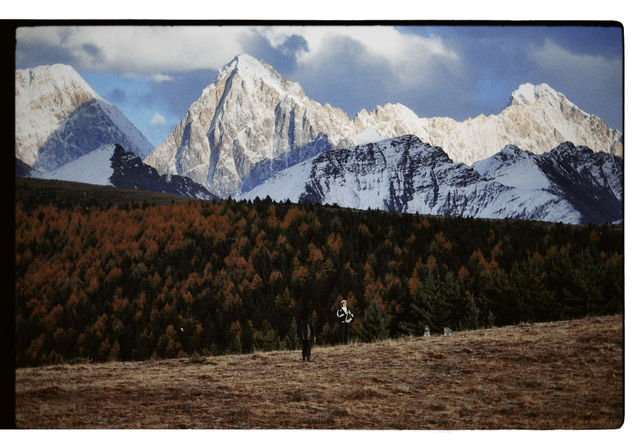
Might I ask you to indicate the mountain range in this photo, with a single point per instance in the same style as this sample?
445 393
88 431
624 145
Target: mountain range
251 114
254 133
568 184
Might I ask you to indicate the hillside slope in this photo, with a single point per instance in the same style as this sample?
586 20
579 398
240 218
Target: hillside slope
559 375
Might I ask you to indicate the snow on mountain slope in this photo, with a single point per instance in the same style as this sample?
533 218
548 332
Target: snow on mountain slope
515 168
59 118
266 168
92 168
367 135
251 115
285 185
592 182
113 165
405 175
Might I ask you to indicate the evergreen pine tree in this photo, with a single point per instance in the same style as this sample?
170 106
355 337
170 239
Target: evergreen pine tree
428 309
534 301
291 341
236 344
375 325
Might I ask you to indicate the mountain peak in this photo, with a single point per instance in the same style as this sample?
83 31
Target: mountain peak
248 68
528 93
247 64
244 62
513 151
568 149
247 60
47 79
59 117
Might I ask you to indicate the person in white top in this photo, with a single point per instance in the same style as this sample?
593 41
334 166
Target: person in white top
345 316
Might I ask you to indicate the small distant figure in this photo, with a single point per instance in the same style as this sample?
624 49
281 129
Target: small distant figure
307 335
447 332
427 331
345 316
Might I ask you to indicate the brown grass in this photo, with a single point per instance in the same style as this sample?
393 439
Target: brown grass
562 375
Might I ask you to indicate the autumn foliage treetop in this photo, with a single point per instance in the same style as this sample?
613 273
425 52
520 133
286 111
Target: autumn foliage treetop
156 281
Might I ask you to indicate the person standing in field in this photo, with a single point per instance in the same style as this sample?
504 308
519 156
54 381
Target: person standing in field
307 334
345 316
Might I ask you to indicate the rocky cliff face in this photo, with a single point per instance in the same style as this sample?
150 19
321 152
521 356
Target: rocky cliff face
569 184
60 118
252 118
248 116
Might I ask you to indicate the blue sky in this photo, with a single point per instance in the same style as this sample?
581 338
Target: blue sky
153 73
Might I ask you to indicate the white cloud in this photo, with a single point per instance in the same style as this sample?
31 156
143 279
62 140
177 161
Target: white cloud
40 35
140 49
554 58
158 119
385 41
410 57
592 82
357 67
160 78
148 50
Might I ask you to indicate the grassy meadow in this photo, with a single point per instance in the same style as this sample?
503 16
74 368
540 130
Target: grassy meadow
555 375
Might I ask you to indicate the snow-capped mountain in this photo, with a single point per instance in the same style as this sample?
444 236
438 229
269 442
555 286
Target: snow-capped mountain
255 133
249 115
113 165
569 184
591 182
251 122
59 118
537 119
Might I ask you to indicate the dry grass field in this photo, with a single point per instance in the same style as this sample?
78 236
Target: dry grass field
560 375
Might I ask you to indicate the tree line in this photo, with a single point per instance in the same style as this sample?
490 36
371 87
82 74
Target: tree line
138 281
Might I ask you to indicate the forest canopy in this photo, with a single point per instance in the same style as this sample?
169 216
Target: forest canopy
139 281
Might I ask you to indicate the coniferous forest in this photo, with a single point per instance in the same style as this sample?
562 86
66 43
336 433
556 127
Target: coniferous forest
138 281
